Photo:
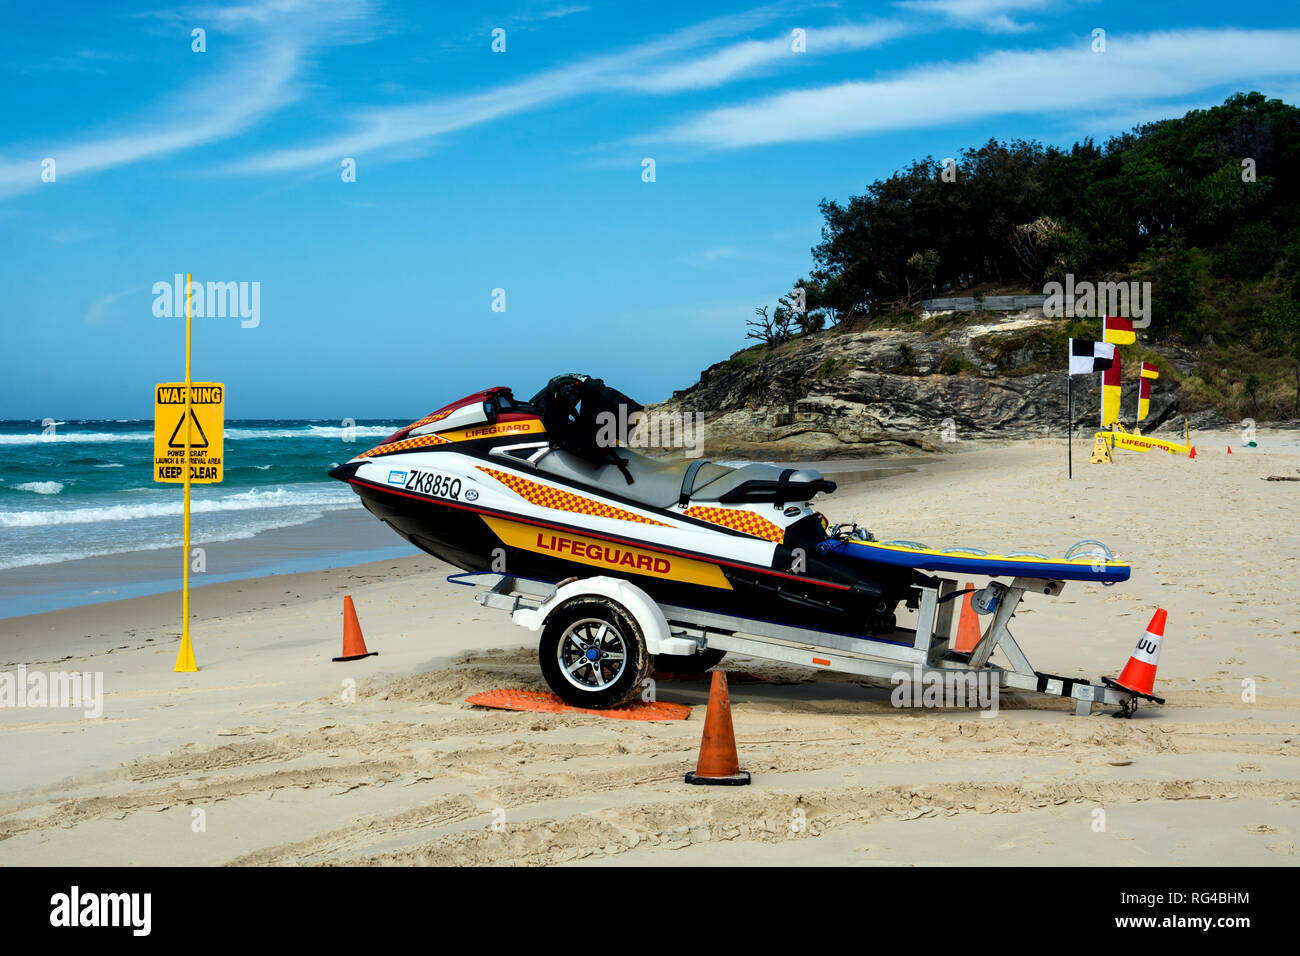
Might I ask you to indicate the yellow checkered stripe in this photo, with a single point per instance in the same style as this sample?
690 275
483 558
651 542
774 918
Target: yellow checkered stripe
738 520
549 497
435 417
406 444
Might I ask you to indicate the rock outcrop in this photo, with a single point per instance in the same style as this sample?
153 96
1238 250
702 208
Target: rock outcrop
883 391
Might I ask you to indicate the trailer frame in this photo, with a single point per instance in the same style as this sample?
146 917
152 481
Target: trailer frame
924 650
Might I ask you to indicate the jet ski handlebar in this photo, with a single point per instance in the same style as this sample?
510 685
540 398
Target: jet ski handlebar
778 492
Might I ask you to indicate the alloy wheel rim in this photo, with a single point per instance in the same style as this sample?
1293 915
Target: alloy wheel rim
592 654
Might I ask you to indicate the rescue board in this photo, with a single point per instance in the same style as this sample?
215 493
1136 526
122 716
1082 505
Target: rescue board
972 561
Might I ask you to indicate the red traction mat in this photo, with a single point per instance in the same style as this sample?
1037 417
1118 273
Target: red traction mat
551 704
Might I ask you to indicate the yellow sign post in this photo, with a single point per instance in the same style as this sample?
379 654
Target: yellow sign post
182 409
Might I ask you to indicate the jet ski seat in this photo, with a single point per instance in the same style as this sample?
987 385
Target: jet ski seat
759 482
654 483
661 484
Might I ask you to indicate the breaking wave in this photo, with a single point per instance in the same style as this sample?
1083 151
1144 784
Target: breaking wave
41 487
314 431
322 497
74 438
337 432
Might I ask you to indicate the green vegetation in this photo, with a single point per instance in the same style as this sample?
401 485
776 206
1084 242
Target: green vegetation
1210 192
833 367
1038 349
906 359
754 355
1206 207
954 363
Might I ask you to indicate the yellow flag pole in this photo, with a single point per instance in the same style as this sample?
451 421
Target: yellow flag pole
185 656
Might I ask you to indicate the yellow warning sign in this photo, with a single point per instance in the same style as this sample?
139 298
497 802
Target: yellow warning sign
207 420
1101 453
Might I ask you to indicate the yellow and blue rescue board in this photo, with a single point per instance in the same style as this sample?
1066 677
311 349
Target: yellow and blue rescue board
1101 570
1136 441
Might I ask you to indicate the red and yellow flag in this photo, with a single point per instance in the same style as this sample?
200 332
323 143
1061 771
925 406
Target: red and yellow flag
1110 393
1118 331
1149 372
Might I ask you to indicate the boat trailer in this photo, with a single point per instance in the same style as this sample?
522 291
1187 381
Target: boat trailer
685 631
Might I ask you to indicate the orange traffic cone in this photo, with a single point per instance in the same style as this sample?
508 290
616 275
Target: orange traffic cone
968 626
1192 454
354 645
1229 449
1139 675
719 764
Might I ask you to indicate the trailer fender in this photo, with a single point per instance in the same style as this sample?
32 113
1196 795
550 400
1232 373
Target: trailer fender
659 638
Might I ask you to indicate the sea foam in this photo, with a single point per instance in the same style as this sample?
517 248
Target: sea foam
41 487
255 499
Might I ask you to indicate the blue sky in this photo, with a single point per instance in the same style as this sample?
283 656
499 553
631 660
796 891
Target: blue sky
519 170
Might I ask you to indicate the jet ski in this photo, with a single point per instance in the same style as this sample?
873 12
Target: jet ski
548 489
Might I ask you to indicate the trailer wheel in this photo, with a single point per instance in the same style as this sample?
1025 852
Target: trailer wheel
593 653
689 663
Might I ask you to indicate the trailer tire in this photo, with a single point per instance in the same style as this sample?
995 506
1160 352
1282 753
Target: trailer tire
589 625
689 663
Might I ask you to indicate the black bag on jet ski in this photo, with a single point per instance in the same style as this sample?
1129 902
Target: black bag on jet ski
585 416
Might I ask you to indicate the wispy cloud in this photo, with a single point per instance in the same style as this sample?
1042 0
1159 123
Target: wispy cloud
991 15
1133 70
84 60
752 56
98 310
653 67
717 255
280 33
519 21
552 13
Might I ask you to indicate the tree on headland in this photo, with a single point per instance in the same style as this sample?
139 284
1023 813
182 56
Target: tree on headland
921 267
1218 180
826 299
1279 323
769 329
800 307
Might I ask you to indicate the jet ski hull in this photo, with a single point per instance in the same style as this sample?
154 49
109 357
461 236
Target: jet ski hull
675 559
538 490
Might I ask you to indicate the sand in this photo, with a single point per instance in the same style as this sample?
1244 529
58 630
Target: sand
266 757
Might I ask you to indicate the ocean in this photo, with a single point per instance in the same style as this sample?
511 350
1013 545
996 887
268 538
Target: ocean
82 521
84 489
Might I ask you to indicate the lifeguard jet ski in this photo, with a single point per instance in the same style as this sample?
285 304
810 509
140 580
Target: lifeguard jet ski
546 489
546 492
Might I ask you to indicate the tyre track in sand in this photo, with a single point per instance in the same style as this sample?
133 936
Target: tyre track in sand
443 765
766 817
